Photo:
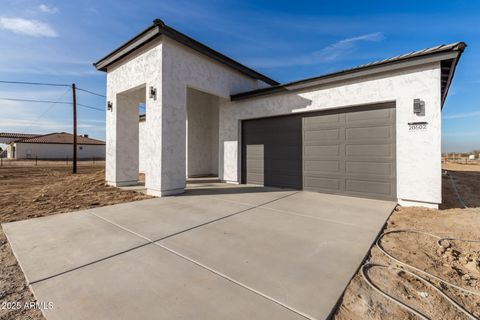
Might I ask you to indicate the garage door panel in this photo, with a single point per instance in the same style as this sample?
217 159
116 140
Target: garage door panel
255 178
255 164
372 188
254 151
321 151
321 135
373 115
378 169
369 150
322 165
322 184
373 132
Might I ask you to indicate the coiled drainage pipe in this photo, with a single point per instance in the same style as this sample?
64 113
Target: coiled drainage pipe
403 266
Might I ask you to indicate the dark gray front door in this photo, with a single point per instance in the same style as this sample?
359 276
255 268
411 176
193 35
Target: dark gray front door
351 152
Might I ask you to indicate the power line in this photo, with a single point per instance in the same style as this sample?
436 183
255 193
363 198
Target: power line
33 100
50 101
91 92
89 107
45 112
36 83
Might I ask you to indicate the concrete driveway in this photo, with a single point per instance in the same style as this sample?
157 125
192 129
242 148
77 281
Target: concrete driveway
217 252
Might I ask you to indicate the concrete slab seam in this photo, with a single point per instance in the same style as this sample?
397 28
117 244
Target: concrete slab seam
149 241
293 213
236 282
90 263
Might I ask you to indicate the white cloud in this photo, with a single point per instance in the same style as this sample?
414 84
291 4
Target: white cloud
462 115
327 54
28 27
47 9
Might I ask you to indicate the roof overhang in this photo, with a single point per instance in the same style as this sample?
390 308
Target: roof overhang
448 58
160 28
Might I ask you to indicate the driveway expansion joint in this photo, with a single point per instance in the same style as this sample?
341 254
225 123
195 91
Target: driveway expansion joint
149 241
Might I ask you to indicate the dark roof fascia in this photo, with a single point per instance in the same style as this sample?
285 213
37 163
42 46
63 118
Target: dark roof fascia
159 28
452 73
352 73
131 45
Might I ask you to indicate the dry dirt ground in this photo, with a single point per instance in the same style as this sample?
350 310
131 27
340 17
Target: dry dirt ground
458 262
28 191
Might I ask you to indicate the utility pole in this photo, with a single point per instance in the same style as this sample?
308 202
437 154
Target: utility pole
74 95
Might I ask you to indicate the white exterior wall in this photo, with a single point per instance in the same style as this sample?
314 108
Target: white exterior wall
202 140
169 67
143 68
183 67
142 150
57 151
418 153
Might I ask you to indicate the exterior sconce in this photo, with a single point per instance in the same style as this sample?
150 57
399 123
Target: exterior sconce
419 107
153 93
109 106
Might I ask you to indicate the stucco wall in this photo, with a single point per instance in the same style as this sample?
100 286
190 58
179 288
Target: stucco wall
418 153
202 141
57 151
142 150
141 69
184 68
169 67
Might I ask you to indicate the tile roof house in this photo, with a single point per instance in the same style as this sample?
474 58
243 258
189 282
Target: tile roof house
57 145
371 131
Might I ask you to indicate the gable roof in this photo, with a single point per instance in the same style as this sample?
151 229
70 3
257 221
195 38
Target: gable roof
448 55
61 138
159 28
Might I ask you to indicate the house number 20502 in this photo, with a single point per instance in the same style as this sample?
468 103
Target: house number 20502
417 126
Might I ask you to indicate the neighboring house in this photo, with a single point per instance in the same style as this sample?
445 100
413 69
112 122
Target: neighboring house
371 131
58 145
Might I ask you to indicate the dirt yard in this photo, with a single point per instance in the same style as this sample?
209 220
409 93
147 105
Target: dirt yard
28 191
457 262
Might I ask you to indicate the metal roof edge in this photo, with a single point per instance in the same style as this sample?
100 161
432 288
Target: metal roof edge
158 28
454 51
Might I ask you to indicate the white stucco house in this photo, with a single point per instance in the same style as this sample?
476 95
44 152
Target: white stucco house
371 131
52 146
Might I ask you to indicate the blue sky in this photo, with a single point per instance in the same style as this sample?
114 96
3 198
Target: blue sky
57 41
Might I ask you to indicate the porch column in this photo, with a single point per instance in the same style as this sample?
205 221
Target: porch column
122 140
166 124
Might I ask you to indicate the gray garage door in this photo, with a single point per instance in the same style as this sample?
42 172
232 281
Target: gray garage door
272 151
351 153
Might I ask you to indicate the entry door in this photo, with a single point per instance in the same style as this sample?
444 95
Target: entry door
351 153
